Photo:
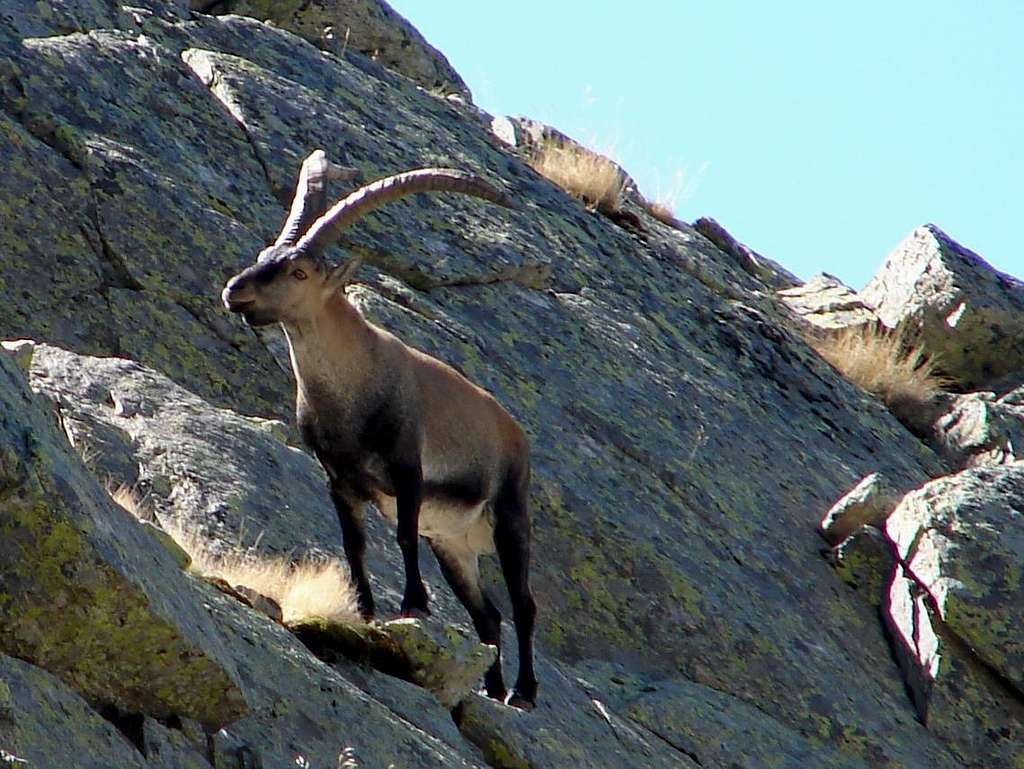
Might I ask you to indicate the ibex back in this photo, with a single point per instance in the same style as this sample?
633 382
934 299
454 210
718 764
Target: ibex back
438 455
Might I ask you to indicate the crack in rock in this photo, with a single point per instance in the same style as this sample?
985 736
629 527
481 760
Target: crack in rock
114 268
198 61
667 741
531 276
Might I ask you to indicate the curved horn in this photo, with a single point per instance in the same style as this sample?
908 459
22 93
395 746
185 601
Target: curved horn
358 204
311 194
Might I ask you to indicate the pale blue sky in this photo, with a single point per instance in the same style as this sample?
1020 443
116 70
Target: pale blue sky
819 133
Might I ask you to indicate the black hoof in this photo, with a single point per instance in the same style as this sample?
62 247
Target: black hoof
518 701
496 694
366 610
415 612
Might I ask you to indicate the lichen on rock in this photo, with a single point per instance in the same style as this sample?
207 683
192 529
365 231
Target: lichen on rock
685 440
85 593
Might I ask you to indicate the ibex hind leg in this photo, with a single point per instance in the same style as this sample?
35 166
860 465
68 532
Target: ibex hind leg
460 567
512 541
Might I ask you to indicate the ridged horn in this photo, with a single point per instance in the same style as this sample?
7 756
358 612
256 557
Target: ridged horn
310 198
358 204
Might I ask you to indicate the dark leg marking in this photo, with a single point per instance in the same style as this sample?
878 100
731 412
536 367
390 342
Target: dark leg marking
408 484
512 541
353 533
460 567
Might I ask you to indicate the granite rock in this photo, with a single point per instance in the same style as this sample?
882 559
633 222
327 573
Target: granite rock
944 296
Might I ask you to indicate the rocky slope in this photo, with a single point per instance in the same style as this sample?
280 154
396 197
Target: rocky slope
686 444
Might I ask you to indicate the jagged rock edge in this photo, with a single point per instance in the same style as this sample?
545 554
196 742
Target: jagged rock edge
902 570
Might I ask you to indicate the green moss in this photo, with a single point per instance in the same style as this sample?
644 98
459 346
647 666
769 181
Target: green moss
499 756
366 644
683 592
553 633
72 614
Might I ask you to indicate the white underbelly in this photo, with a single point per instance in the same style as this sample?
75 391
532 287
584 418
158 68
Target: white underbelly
448 522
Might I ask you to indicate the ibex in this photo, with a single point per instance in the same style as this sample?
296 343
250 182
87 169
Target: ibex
390 424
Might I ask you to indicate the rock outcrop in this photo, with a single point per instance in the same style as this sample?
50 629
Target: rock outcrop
947 298
961 539
685 439
86 593
866 504
980 429
826 303
371 27
943 565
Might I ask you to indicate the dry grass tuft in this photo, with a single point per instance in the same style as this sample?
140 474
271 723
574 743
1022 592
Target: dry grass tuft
877 360
663 213
584 174
129 498
302 590
310 588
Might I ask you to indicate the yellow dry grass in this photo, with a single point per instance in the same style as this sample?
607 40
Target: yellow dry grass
904 376
314 588
663 213
667 197
129 498
586 175
309 588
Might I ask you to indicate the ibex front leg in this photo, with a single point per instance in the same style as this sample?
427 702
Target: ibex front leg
351 516
408 483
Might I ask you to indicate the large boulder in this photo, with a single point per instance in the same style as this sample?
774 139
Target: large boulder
827 304
229 484
962 539
945 573
371 27
237 485
86 592
967 315
980 428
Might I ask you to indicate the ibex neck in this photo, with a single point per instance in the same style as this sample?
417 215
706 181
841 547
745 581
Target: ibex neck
332 349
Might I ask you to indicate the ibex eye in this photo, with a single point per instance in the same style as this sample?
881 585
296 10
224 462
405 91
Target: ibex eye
299 274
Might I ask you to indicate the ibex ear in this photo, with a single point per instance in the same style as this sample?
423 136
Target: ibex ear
342 275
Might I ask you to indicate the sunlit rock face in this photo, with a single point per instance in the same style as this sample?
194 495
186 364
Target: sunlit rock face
946 297
685 441
369 27
827 304
86 593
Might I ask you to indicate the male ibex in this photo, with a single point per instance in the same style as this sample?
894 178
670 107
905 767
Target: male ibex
393 425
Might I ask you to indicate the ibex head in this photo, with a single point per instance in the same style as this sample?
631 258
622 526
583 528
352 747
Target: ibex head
291 278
